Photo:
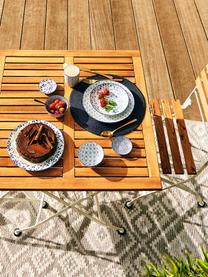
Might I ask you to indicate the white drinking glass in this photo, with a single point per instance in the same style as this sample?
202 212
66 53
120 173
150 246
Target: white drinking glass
71 74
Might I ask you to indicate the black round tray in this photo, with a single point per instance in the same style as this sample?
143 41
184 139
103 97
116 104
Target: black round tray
90 124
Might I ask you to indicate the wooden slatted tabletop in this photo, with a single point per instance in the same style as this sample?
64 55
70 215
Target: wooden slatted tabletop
20 73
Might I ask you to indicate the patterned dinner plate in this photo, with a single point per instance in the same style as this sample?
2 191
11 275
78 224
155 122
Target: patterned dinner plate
117 99
90 154
27 165
105 117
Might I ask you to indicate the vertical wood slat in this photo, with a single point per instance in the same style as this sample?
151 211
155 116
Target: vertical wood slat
101 25
2 62
190 166
68 166
200 89
147 124
11 24
204 80
162 145
177 163
56 25
33 32
78 20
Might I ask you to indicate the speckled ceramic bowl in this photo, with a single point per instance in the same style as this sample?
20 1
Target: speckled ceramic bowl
122 145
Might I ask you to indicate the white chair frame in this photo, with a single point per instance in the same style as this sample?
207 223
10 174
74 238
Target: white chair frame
179 183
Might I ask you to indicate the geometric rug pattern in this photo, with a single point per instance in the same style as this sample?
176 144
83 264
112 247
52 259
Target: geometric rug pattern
165 223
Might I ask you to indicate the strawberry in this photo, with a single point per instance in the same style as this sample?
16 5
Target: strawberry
52 111
101 95
106 91
56 112
103 102
56 101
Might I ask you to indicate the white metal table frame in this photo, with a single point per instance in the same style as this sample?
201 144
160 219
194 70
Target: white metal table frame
69 204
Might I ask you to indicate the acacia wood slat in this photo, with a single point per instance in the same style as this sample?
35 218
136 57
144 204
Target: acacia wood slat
2 61
78 20
33 32
25 117
11 24
56 26
110 183
190 165
118 162
176 157
57 66
7 162
25 94
124 26
25 60
194 34
147 125
113 60
101 25
204 80
155 68
21 109
77 53
68 168
111 172
18 172
202 95
12 125
28 80
35 66
162 145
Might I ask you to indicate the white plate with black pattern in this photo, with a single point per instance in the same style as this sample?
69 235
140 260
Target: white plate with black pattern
27 165
90 154
117 94
104 117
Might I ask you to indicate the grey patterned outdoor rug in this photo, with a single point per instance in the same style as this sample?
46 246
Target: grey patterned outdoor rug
165 223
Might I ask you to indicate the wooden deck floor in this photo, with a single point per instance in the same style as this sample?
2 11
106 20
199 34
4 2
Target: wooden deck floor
171 34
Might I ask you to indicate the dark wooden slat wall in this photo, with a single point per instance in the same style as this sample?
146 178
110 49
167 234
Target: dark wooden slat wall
171 34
